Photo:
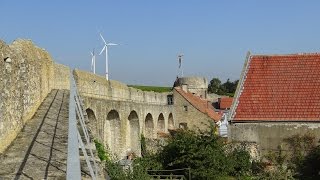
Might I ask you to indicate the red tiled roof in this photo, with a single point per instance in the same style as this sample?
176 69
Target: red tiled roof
280 88
200 104
225 102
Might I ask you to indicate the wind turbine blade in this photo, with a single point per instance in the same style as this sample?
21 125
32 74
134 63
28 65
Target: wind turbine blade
91 54
104 47
112 44
103 39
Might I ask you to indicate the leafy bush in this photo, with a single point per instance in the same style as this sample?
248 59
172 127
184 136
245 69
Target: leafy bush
240 160
310 166
300 145
204 154
116 171
102 154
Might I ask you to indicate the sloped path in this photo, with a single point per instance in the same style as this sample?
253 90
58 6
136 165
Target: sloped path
40 149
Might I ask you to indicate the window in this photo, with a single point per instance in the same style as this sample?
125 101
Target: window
183 126
170 99
185 108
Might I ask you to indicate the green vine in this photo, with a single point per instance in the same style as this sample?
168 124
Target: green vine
143 146
102 154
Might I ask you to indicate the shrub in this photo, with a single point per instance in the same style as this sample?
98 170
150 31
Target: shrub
310 166
204 154
240 161
102 154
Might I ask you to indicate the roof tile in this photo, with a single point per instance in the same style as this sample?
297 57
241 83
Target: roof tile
200 104
281 88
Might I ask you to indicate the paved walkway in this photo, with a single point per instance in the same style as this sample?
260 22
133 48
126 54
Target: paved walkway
40 149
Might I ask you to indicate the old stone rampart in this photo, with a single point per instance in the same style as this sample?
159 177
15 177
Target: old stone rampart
27 75
119 114
96 86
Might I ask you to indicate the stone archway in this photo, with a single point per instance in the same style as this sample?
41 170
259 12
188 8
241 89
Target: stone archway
92 123
161 125
170 121
149 126
134 134
112 133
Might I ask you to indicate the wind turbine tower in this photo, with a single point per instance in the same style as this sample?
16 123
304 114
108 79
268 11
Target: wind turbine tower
93 62
105 47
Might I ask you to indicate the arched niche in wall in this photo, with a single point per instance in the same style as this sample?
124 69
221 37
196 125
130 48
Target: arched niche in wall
161 125
112 132
92 123
149 126
134 135
170 121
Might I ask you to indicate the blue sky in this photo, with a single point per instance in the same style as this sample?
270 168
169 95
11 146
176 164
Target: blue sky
214 36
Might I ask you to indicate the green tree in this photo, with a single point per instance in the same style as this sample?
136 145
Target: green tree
214 86
204 154
227 88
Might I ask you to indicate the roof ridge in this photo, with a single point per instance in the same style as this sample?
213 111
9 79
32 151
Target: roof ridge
289 54
205 111
240 86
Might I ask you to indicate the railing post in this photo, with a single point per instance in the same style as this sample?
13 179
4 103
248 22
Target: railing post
73 161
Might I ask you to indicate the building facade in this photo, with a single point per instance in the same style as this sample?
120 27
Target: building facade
277 97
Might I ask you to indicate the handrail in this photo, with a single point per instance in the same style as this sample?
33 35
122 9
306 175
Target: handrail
73 161
171 175
75 139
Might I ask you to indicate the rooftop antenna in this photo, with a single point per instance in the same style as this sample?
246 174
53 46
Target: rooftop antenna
105 47
93 62
180 64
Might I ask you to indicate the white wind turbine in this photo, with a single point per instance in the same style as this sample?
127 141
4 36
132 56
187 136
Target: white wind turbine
93 62
105 47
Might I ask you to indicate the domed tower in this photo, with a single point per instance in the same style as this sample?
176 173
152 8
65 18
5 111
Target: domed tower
196 85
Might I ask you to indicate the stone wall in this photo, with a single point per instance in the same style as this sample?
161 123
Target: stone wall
27 75
268 135
196 85
119 124
92 85
185 112
119 114
61 76
251 147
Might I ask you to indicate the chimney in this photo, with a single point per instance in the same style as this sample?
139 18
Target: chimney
184 87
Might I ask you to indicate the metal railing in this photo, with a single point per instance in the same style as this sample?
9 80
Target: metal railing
77 117
171 174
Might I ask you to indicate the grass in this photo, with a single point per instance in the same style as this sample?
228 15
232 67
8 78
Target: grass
152 88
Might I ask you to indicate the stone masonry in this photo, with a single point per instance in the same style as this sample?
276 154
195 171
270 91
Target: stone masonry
118 115
27 75
40 149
